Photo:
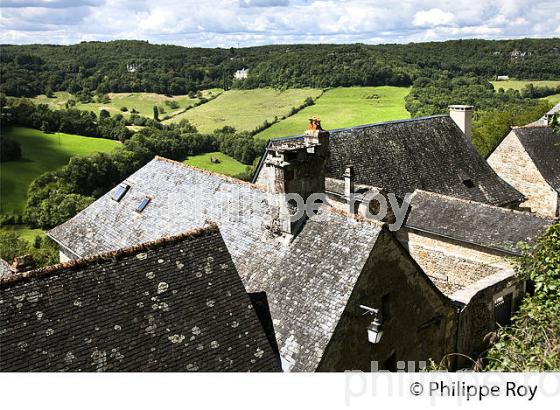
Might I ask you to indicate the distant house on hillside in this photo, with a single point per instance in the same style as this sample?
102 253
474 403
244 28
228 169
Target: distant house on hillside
132 68
502 77
241 74
174 304
528 158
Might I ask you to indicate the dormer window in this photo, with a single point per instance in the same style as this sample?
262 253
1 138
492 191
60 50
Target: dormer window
143 204
119 193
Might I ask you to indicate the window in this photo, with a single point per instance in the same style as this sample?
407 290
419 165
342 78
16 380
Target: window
502 309
120 191
143 204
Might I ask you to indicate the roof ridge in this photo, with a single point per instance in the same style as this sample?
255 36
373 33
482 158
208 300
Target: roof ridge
470 201
212 227
211 173
367 125
356 217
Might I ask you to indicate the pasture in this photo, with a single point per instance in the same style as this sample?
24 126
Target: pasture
245 110
227 165
143 103
346 107
41 152
554 99
520 84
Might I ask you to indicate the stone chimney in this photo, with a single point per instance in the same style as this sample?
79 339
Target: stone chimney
298 170
349 188
22 264
463 115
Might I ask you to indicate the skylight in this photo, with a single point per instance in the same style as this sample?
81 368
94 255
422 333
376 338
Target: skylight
143 204
120 191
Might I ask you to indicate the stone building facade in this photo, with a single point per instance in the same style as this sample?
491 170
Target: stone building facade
528 158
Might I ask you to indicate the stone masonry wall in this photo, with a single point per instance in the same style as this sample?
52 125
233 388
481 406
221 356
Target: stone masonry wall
513 164
419 323
477 319
452 264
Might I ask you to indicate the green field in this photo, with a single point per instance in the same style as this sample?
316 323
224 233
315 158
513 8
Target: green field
245 110
41 152
24 232
346 107
227 166
520 84
554 99
141 102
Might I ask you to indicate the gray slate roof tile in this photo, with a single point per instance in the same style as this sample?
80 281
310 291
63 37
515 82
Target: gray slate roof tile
176 304
308 281
474 222
429 153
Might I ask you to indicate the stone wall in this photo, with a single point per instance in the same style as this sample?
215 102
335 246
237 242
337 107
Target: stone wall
451 263
513 164
477 318
419 323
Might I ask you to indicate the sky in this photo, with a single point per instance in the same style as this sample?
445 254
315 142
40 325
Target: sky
232 23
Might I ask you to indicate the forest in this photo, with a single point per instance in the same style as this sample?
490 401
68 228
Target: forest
101 67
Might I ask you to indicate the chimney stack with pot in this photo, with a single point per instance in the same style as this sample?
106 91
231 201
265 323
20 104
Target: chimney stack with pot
298 168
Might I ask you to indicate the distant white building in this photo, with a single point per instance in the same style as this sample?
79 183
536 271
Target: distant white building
131 68
241 74
502 77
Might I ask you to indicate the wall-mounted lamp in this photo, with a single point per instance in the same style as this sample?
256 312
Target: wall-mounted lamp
374 330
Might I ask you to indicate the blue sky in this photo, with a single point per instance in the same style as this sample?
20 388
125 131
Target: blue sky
225 23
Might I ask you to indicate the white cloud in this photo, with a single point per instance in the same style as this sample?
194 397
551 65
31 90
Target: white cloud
252 22
433 17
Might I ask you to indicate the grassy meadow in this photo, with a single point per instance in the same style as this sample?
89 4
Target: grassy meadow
227 166
520 84
141 102
554 99
346 107
41 152
24 232
245 110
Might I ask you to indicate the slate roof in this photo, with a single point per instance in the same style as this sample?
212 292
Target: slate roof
176 304
474 222
543 146
5 270
308 281
429 153
543 121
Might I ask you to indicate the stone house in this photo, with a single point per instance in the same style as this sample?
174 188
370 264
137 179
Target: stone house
547 117
315 272
321 270
528 158
241 74
467 248
174 304
430 153
439 234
